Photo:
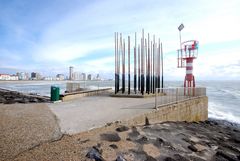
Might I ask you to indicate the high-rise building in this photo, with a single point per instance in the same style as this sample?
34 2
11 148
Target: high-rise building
35 76
98 77
60 77
89 77
22 76
83 76
77 76
70 73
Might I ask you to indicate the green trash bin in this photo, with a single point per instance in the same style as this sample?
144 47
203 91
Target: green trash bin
55 93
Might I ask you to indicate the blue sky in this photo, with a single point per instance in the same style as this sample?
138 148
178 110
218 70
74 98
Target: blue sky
50 35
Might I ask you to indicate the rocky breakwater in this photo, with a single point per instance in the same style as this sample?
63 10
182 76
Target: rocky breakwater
11 97
170 141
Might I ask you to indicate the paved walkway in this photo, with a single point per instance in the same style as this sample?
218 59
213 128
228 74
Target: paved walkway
24 126
89 112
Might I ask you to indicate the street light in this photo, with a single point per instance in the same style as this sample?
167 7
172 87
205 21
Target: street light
180 29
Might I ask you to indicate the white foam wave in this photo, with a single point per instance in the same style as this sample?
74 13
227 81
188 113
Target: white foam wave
234 93
214 111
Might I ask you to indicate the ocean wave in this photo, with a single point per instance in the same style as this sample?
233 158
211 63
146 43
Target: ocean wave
234 93
214 112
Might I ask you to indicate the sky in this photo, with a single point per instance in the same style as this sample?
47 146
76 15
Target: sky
48 36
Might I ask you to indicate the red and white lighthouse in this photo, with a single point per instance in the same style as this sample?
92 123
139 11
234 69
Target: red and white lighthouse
186 54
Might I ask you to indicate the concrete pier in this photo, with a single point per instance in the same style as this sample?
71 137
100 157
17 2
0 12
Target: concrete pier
95 111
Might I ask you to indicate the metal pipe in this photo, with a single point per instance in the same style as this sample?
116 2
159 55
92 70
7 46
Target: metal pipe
162 63
135 77
154 65
159 49
123 67
139 58
118 59
128 64
142 64
120 54
115 63
151 74
148 84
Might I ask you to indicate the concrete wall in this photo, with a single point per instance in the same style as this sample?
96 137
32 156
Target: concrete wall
190 110
74 95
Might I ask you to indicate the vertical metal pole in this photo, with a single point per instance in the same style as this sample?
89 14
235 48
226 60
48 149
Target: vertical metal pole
151 72
115 64
142 64
139 62
146 65
120 52
180 39
128 64
148 84
159 49
123 67
154 65
118 58
162 63
135 77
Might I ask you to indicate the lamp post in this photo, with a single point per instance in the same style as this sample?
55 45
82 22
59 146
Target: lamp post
180 29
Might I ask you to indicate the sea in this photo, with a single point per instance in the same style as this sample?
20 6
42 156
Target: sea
224 96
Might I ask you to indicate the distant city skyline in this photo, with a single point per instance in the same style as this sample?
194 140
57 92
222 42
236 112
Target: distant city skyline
49 36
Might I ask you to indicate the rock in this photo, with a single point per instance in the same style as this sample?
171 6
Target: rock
193 148
94 154
169 159
142 140
2 100
200 147
122 129
226 155
128 139
17 99
179 157
194 158
150 158
10 101
120 158
146 121
134 134
33 100
24 100
112 137
113 146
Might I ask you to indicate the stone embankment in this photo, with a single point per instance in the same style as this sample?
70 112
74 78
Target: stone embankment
169 141
11 97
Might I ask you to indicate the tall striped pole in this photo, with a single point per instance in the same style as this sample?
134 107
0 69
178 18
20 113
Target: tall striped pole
135 77
148 84
142 64
128 64
115 42
162 63
123 67
139 66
